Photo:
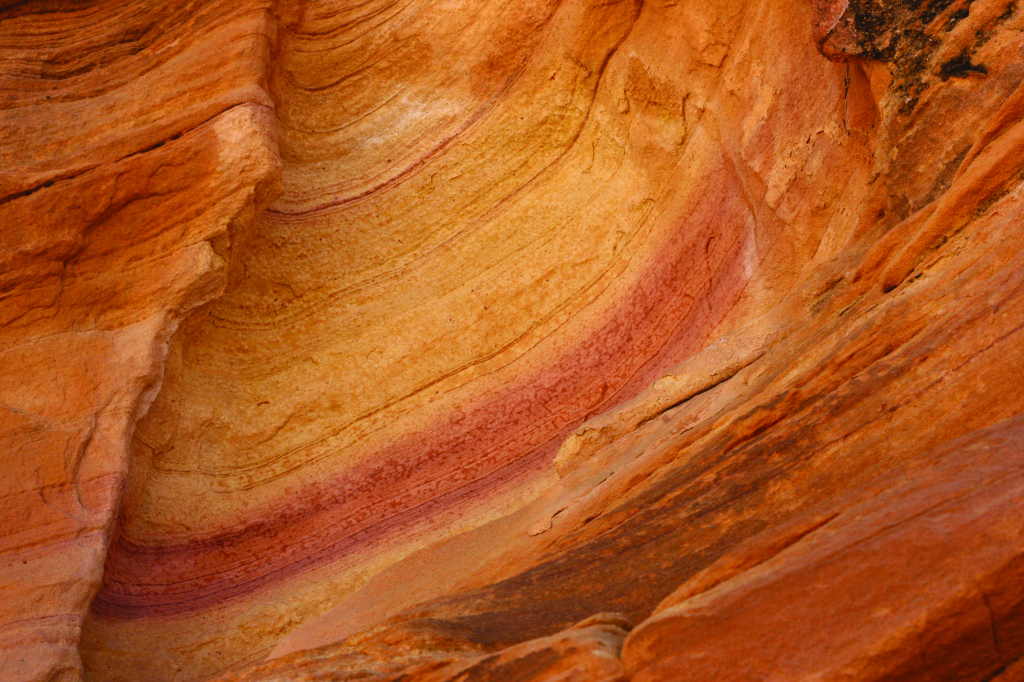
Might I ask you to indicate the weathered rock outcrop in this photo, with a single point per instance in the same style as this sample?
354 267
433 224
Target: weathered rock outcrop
454 341
121 174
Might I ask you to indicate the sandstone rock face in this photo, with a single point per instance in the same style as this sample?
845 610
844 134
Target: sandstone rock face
590 650
437 341
118 188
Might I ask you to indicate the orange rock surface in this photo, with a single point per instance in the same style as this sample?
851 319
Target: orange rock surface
512 340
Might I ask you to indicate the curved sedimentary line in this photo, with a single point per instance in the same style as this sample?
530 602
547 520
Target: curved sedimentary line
479 116
351 541
489 215
585 291
567 304
356 531
333 32
289 563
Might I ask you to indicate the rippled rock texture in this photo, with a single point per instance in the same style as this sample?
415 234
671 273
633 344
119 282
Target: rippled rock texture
518 340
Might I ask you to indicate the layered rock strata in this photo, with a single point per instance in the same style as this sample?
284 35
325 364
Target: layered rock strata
476 248
124 167
419 341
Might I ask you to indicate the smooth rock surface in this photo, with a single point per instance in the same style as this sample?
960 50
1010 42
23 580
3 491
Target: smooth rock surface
919 582
397 340
91 299
587 651
466 262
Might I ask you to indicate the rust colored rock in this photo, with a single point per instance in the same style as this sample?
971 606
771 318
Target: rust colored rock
834 29
875 591
759 449
394 341
115 212
466 263
424 652
93 293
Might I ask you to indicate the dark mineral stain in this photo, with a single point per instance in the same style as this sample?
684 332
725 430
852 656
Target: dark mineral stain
961 67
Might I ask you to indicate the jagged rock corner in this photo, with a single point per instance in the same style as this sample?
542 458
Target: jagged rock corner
629 340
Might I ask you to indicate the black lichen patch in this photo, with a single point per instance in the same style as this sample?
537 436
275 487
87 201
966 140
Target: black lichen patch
928 11
1011 10
877 28
961 67
898 32
958 16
